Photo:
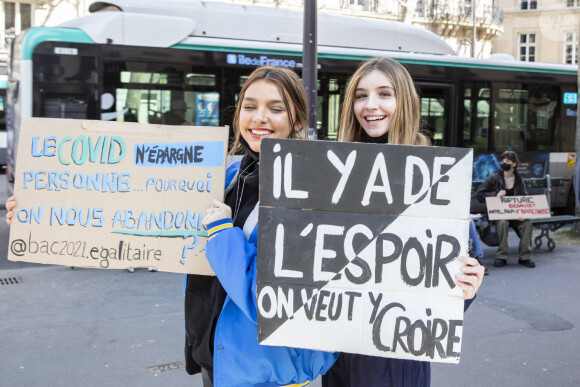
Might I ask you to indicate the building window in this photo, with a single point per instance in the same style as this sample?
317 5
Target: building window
25 16
527 47
530 4
571 47
571 3
9 15
17 16
358 4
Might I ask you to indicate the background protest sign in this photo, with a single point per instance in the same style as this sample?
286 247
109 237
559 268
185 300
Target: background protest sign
357 247
516 207
115 195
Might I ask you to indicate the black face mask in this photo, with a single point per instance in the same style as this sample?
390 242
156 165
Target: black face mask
505 166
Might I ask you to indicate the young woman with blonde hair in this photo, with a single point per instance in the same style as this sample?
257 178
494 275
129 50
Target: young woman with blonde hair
381 105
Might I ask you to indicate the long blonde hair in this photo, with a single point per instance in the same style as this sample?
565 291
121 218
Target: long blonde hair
293 95
407 118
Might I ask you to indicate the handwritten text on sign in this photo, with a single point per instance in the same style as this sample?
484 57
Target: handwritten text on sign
358 245
516 207
115 195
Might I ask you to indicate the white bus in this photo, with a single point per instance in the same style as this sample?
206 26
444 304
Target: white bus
186 62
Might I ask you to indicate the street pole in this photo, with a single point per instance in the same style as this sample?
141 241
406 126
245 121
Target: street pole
577 148
474 37
310 63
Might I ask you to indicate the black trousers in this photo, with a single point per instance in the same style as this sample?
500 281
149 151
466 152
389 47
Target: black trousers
206 377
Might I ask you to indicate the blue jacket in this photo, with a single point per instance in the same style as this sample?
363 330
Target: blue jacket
238 358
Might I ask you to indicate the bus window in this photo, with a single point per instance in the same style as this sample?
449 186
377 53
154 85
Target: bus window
432 110
564 135
476 116
435 112
510 116
3 137
206 112
243 80
200 79
65 107
167 107
64 82
140 105
154 93
333 108
524 117
64 68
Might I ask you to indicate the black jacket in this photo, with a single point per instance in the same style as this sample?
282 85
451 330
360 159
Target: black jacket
204 295
495 183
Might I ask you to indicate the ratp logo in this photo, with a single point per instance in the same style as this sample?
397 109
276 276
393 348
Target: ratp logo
231 59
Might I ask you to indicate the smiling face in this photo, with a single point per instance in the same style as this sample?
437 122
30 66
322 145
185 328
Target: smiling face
375 103
263 114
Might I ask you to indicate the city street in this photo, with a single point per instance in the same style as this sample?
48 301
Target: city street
89 327
118 120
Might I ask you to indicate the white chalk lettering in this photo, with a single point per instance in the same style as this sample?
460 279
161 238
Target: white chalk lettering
344 169
288 191
379 167
412 161
279 257
320 253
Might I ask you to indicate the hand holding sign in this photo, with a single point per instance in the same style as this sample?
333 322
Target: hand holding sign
115 195
217 211
472 276
10 204
368 243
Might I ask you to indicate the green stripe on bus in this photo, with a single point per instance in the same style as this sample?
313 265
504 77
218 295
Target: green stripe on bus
363 57
486 66
38 35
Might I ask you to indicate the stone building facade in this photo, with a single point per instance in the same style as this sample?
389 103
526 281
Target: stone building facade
452 20
531 30
18 15
540 30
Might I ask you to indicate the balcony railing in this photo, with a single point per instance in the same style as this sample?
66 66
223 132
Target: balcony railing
433 10
460 11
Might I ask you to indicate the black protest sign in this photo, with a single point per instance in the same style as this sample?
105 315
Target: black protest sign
358 246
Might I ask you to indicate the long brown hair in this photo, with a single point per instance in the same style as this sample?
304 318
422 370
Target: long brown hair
293 95
407 118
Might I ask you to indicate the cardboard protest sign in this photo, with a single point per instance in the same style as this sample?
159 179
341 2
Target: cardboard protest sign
115 195
357 247
516 207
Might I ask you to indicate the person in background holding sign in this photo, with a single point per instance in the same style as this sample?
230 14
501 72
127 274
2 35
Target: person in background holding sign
381 105
508 182
272 104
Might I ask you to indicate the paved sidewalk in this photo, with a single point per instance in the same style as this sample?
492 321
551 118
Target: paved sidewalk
522 328
91 327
